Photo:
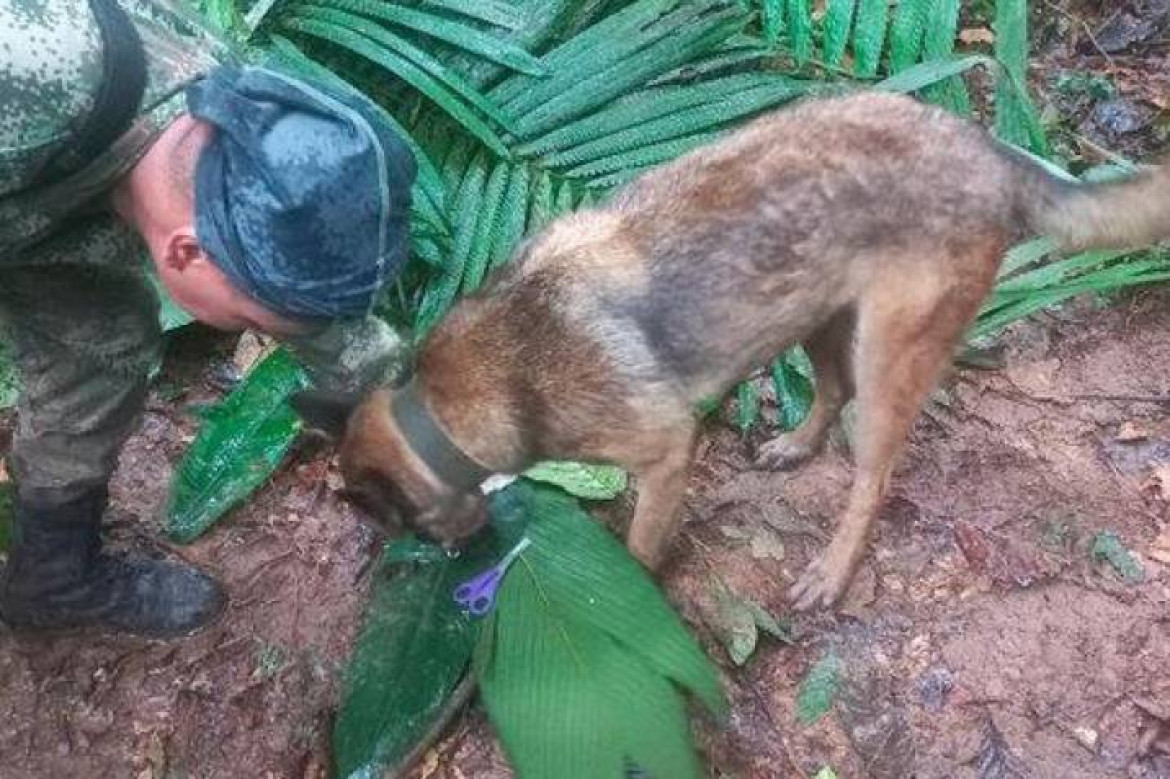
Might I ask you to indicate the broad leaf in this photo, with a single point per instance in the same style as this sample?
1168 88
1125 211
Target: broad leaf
413 651
791 379
240 445
592 482
577 663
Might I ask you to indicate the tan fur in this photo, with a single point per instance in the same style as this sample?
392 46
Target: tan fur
868 228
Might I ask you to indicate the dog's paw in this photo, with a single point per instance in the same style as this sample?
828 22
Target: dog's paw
783 453
820 586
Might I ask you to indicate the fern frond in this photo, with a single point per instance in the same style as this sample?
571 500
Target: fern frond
869 36
462 36
942 28
513 213
627 164
838 22
798 21
379 47
612 82
694 119
485 233
493 12
907 33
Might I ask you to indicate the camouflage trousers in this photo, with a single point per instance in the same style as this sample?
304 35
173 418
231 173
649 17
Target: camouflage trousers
85 338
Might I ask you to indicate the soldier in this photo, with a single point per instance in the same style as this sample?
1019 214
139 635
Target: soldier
263 200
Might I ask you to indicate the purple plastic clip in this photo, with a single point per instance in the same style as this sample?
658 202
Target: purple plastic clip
478 595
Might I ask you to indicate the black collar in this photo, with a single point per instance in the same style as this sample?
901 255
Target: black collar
431 443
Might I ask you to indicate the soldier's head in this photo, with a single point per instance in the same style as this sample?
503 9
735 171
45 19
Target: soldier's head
273 203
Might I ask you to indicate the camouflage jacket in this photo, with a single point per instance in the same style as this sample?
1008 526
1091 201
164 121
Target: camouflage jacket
50 70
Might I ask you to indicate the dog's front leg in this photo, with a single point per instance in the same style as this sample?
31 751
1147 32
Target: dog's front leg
661 485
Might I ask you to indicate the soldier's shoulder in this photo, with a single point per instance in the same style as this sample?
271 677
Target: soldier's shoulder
50 71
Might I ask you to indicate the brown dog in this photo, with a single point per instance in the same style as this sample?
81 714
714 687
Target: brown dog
869 228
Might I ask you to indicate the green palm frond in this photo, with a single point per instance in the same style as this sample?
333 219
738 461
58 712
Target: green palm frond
416 43
883 44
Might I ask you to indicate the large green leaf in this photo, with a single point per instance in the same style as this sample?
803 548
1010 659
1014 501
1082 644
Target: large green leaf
794 388
412 652
241 443
576 664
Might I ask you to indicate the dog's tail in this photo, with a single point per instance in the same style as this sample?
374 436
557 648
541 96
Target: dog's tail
1131 212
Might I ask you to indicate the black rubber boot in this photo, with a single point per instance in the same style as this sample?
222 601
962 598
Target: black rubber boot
59 578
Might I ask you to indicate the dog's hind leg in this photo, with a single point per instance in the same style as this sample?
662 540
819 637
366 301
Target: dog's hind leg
662 483
908 322
830 349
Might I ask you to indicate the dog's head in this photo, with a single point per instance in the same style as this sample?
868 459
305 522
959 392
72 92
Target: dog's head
384 476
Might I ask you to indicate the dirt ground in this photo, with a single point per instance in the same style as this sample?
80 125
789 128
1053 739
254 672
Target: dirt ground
981 639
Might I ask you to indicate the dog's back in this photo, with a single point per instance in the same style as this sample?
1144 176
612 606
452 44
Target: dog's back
707 266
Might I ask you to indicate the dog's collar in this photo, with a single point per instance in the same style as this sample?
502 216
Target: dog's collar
431 443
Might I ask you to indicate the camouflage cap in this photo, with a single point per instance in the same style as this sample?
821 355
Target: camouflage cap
302 196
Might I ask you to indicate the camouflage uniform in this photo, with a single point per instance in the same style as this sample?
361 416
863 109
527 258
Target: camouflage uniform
76 299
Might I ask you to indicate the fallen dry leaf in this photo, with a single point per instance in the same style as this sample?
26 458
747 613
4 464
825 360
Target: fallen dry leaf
250 349
1158 481
973 35
973 543
1132 431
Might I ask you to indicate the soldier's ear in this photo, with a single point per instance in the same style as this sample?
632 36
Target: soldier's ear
183 250
325 411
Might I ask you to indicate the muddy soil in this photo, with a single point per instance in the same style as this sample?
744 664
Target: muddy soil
981 638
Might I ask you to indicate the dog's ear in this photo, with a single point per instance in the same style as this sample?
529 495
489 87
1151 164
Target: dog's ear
325 411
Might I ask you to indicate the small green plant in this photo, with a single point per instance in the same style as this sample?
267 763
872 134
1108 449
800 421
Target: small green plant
270 661
819 688
1108 547
1074 83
